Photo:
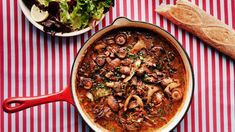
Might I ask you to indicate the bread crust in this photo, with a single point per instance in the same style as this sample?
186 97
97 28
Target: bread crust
195 20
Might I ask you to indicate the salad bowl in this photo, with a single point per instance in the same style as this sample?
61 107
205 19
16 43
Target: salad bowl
27 13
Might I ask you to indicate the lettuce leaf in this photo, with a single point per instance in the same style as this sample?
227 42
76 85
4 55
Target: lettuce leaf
45 2
83 12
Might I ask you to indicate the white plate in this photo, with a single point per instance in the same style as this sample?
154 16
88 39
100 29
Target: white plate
26 12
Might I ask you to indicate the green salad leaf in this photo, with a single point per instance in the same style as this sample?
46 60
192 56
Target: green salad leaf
83 12
45 2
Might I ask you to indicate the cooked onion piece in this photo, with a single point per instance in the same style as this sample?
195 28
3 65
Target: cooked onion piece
151 90
89 96
138 99
136 65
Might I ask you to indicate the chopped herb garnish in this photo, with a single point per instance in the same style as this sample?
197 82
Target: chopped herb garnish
132 56
117 68
159 110
101 85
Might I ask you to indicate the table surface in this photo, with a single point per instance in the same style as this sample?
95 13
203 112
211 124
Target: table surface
34 63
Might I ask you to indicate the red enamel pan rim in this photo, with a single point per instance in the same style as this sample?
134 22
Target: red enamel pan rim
180 116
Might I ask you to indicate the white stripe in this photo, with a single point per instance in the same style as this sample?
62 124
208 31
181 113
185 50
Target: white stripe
121 7
5 94
232 78
42 46
64 58
217 91
142 6
222 10
128 9
217 78
225 103
50 118
210 89
35 85
232 86
224 75
20 66
203 91
114 10
79 122
57 81
135 10
13 74
72 115
196 84
27 72
150 11
188 51
158 16
203 88
230 21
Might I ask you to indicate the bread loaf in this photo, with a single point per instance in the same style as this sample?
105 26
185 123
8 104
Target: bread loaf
195 20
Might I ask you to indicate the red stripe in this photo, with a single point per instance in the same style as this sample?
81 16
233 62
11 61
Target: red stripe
68 81
154 12
233 14
214 91
1 67
46 80
221 93
147 10
117 8
132 9
24 68
226 11
139 10
75 112
218 10
228 95
199 86
228 73
31 62
213 78
16 62
39 77
220 75
124 8
54 83
184 43
192 104
103 25
206 89
111 15
206 81
61 71
9 60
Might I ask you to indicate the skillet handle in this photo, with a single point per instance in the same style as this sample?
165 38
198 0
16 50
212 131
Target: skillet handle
122 21
22 103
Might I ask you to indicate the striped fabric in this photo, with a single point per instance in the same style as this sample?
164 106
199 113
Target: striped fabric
33 63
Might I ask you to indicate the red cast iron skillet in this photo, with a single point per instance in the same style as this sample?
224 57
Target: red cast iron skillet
69 93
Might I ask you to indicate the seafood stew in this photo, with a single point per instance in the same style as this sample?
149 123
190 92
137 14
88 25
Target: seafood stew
131 80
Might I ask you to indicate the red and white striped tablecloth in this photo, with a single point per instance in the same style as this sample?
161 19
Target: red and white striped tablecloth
33 63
